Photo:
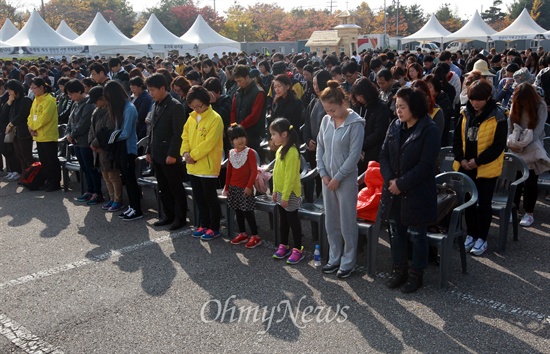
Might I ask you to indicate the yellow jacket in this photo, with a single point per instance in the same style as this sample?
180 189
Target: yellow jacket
203 140
486 135
286 173
43 118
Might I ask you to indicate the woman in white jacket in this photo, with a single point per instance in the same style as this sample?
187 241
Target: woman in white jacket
529 112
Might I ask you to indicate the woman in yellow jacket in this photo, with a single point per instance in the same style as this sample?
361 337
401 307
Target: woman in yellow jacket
202 147
42 124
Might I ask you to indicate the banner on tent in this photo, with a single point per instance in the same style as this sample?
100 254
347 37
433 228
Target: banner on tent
518 37
44 50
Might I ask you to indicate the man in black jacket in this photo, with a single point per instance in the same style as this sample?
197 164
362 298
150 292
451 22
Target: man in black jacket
163 150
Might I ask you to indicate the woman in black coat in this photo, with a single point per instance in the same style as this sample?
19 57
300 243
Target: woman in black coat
409 197
366 102
286 104
16 111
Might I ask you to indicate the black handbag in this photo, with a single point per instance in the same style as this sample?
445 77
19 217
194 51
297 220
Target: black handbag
447 200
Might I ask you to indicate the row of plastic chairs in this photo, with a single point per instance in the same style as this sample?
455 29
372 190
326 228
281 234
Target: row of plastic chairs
503 204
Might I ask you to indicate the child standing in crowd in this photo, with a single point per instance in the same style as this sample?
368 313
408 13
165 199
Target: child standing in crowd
338 151
287 188
239 182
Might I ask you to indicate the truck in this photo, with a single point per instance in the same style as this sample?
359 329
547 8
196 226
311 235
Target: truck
372 41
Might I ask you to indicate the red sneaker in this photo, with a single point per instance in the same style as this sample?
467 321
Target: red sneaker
240 238
254 241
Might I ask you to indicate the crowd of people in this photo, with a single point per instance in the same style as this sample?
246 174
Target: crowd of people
341 112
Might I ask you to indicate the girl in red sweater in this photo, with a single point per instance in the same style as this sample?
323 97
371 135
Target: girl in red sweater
239 182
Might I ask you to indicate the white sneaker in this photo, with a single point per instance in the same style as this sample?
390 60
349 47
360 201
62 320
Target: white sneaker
469 243
8 175
14 177
479 247
527 220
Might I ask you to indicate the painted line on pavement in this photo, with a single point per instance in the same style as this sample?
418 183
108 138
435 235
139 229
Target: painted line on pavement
83 262
24 339
499 306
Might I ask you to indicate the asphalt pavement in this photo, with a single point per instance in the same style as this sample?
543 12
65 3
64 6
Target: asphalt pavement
75 279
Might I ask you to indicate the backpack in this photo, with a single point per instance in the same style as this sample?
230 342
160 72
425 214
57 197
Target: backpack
33 177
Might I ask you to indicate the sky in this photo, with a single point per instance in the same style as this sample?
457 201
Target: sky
464 8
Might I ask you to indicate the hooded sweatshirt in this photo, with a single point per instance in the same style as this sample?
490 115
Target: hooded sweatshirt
339 149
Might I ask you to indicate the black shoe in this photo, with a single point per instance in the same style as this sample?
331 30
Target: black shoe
329 268
163 221
126 212
344 273
414 283
398 277
177 224
133 215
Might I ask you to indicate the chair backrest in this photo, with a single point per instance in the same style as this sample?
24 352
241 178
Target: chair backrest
546 143
508 180
463 186
142 145
445 159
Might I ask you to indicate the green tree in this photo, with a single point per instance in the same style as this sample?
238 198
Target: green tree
6 11
448 18
494 16
414 16
542 8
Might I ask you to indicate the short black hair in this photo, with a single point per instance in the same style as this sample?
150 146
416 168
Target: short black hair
241 71
114 62
416 100
156 80
95 94
197 92
350 67
98 68
384 74
63 81
213 84
15 86
74 86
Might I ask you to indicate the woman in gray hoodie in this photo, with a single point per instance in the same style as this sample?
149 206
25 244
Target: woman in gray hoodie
339 146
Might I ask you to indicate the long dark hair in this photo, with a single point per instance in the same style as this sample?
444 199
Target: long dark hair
525 100
281 125
116 98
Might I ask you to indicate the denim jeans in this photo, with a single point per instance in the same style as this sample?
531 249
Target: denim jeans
90 173
400 235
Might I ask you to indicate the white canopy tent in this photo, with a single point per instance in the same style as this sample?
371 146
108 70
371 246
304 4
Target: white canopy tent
475 30
431 31
207 41
8 30
523 28
159 39
112 24
66 31
105 40
38 38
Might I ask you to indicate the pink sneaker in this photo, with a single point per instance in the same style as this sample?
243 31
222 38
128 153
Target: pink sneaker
283 252
240 238
296 256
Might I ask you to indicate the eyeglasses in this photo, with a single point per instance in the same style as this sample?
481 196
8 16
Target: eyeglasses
195 107
33 87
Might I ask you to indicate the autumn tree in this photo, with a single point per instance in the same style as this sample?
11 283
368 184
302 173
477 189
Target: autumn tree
6 11
300 23
542 10
415 17
391 21
259 23
364 18
80 13
448 18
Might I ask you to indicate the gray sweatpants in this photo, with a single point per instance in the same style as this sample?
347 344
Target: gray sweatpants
341 222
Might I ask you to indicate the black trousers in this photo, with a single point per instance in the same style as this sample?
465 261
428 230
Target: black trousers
47 153
530 191
8 151
479 215
250 217
23 151
206 197
289 220
128 171
171 190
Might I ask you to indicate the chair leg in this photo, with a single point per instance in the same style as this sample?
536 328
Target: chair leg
515 223
65 173
462 253
323 239
503 230
372 247
444 253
